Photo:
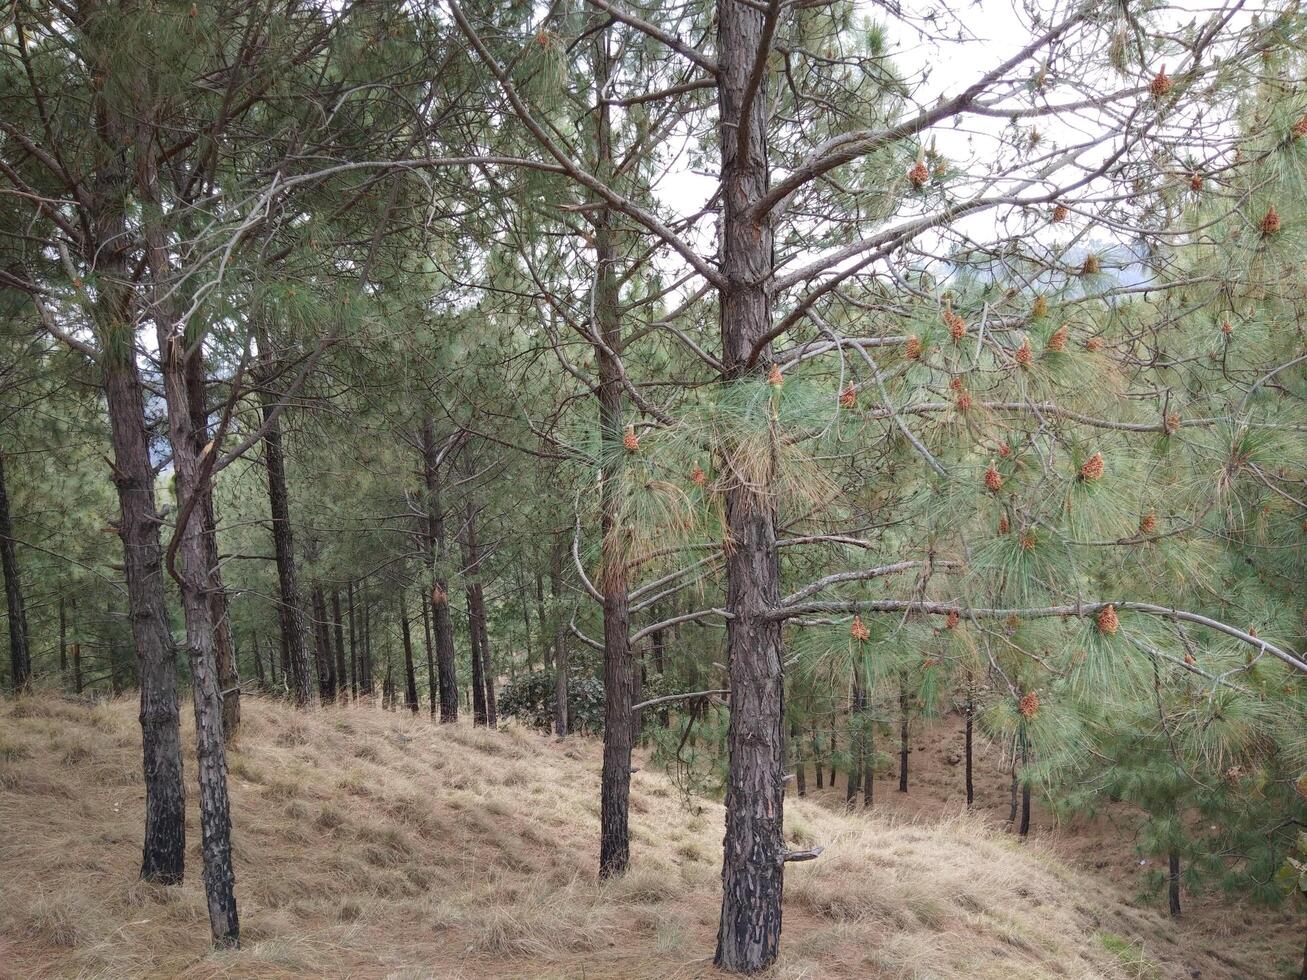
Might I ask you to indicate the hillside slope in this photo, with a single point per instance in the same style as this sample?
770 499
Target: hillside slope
377 845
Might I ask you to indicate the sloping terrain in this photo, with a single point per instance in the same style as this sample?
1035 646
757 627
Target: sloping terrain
371 844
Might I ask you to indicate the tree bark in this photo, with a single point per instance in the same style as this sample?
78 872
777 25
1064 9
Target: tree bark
817 762
325 659
228 672
338 627
800 777
1173 884
748 936
478 664
289 614
438 560
431 655
1025 789
353 644
971 712
410 676
20 648
903 736
483 665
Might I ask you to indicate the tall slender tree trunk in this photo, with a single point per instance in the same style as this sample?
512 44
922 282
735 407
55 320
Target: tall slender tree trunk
903 736
438 560
478 664
366 674
620 724
431 655
353 644
342 677
20 650
289 614
78 683
561 721
796 742
1173 884
483 667
971 713
1025 788
139 522
869 766
410 675
63 624
225 649
748 936
325 659
817 762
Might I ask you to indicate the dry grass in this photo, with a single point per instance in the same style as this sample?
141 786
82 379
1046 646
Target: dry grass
376 845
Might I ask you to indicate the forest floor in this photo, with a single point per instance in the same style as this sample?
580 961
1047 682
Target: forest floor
371 844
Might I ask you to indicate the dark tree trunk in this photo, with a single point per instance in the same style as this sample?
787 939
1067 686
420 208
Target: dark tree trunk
856 754
476 620
366 673
800 777
561 721
1025 789
410 676
903 737
20 649
139 522
224 647
1173 884
971 713
353 644
339 629
817 762
748 935
620 723
289 614
325 661
834 750
1012 810
869 766
258 663
478 668
63 624
438 559
431 655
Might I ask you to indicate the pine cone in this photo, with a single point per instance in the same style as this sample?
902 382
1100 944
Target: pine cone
1092 469
630 440
1107 620
1060 213
952 621
1196 182
848 397
1161 84
1172 423
1299 129
1004 450
1189 658
1025 356
1148 523
697 476
919 175
957 326
1002 524
858 631
1057 342
1271 221
1029 705
964 400
912 349
774 376
1028 541
1092 266
1093 344
1040 308
993 479
1227 327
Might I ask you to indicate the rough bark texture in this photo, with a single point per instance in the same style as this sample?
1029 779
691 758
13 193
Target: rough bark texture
20 651
1173 884
478 674
138 526
194 576
410 676
289 613
228 674
620 723
437 549
903 737
341 675
971 794
748 936
326 661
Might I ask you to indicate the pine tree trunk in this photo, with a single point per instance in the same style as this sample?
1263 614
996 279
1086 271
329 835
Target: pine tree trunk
561 721
139 522
971 795
1173 884
903 737
339 630
20 650
289 613
367 674
800 776
817 763
63 622
478 664
1025 789
431 655
748 936
410 675
869 766
353 643
834 749
224 646
437 550
325 659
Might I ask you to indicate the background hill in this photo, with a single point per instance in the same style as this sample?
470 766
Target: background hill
373 844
